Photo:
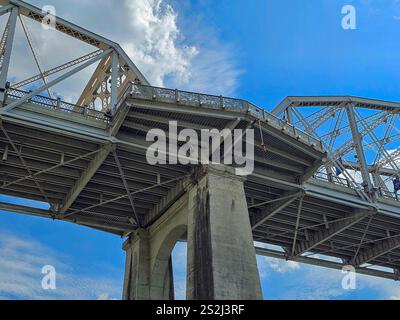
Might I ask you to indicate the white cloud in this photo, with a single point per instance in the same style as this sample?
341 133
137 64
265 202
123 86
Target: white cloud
156 42
149 32
282 266
21 262
305 282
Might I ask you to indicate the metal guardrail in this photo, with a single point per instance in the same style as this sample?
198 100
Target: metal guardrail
58 104
194 99
217 102
172 96
354 185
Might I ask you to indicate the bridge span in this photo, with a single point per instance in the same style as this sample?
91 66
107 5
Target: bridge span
316 192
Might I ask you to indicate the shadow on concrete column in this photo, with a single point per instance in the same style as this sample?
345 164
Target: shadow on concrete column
148 267
221 256
137 271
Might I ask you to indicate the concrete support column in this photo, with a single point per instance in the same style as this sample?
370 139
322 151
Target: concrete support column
137 267
141 282
221 256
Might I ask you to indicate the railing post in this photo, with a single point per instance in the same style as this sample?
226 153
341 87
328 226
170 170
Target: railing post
221 102
247 107
5 92
58 105
177 97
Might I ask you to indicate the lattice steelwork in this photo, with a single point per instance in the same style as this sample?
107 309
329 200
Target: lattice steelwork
361 135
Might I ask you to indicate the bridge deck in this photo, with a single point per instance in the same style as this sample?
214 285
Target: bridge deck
83 166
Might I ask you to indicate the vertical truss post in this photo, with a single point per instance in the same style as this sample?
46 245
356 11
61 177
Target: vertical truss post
289 115
359 148
114 81
10 29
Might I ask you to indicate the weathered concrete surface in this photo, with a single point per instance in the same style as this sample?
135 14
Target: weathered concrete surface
221 256
137 272
148 270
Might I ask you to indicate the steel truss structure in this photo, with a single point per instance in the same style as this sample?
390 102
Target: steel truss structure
112 75
308 194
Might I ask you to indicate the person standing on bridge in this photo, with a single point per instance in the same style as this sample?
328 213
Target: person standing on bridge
396 185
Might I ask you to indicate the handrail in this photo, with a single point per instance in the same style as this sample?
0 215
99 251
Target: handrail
172 96
192 99
216 102
323 176
58 104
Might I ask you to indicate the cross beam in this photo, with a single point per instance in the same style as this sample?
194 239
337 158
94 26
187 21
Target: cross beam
269 211
52 83
90 171
378 250
334 229
130 197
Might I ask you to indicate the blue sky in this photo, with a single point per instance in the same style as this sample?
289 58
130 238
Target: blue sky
258 50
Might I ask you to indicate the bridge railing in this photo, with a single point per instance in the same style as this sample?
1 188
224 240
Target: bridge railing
170 96
58 104
320 175
194 99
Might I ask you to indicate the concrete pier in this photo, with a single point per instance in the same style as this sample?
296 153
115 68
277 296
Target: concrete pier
137 272
221 256
221 263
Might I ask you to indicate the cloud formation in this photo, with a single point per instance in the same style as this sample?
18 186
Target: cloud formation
156 43
305 282
148 30
21 263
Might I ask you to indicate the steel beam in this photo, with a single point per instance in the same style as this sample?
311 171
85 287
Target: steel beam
52 83
272 209
335 228
114 81
324 101
299 209
130 197
379 249
56 69
124 196
77 32
10 29
359 147
5 9
27 168
86 177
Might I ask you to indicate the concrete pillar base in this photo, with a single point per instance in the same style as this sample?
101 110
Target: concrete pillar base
221 256
139 282
137 272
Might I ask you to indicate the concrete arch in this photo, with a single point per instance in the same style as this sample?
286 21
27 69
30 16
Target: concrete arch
161 287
